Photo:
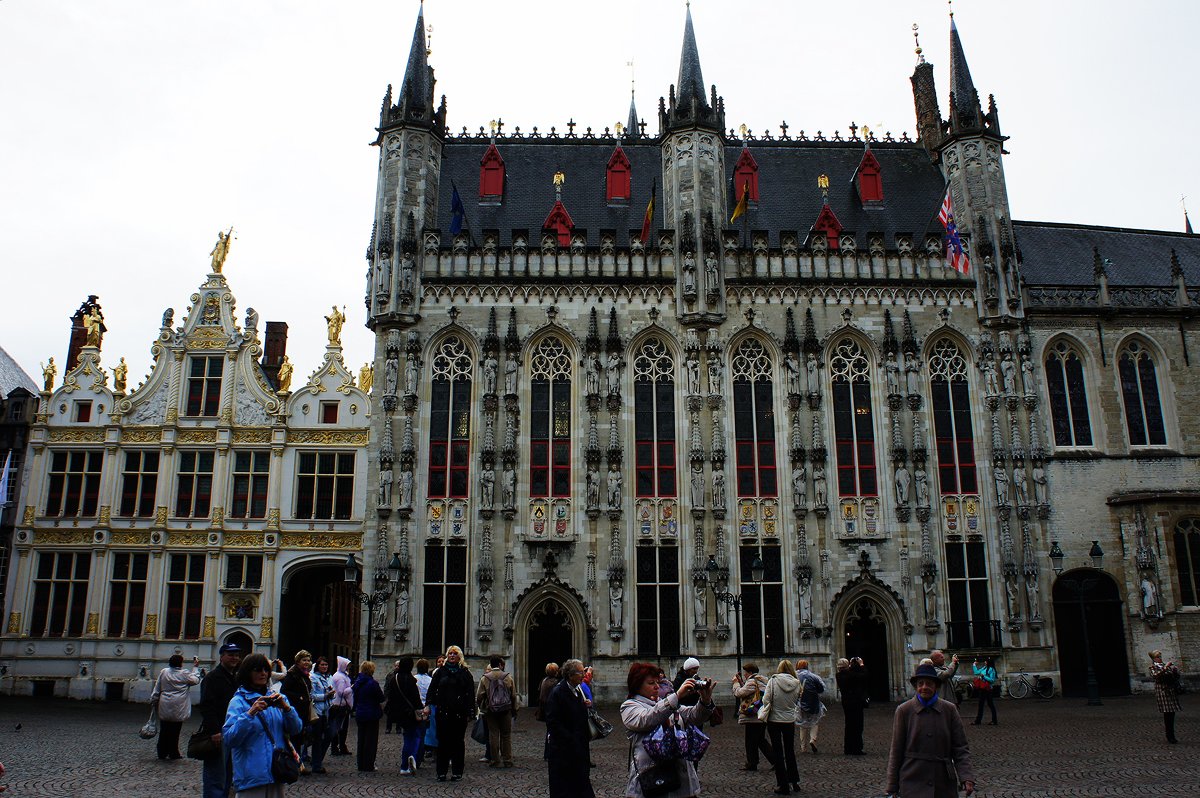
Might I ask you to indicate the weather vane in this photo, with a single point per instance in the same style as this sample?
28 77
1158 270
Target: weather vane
917 39
492 125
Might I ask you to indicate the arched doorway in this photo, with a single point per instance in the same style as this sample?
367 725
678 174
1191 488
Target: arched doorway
550 625
241 639
866 636
1090 597
318 612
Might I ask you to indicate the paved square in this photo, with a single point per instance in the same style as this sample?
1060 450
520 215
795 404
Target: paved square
1041 748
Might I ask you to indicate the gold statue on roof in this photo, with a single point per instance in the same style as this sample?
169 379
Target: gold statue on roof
93 324
284 379
48 372
366 377
335 320
120 376
221 250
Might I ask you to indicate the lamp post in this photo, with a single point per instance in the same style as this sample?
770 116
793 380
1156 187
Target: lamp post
1080 585
385 585
714 575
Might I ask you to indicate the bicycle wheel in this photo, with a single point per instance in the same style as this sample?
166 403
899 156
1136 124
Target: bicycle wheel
1044 687
1018 688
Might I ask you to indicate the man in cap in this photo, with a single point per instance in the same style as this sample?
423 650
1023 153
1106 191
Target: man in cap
216 690
691 666
929 753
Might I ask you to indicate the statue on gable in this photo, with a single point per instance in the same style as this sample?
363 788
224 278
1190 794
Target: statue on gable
335 320
220 250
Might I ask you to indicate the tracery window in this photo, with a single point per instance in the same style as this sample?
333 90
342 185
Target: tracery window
1187 560
1139 390
953 439
1068 397
450 421
654 420
550 420
754 420
853 420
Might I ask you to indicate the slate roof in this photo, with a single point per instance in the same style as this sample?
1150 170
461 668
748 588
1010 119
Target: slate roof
13 376
1062 254
789 199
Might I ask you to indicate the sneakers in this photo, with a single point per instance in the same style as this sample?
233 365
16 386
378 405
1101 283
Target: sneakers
405 772
456 777
442 777
412 764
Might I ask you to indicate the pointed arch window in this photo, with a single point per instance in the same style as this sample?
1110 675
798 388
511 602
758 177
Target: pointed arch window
1068 396
1139 390
1187 560
618 183
450 421
853 420
754 420
954 441
745 177
491 176
550 420
654 419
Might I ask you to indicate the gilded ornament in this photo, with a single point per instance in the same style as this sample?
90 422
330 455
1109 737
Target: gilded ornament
334 321
131 435
105 517
172 415
130 538
244 540
188 538
284 379
218 516
196 436
210 627
27 520
120 375
251 436
332 540
63 537
267 629
14 623
151 627
93 624
328 437
220 250
366 377
76 436
160 516
273 518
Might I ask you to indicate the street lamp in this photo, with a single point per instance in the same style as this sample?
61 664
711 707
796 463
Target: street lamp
713 575
1080 585
385 585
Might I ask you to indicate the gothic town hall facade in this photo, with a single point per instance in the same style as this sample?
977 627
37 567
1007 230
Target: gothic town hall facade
584 424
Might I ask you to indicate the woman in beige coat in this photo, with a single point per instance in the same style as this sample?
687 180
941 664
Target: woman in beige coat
749 687
779 711
929 756
643 712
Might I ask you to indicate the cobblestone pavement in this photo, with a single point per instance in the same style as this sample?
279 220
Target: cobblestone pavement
1041 748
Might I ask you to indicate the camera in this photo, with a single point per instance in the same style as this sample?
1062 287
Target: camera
702 683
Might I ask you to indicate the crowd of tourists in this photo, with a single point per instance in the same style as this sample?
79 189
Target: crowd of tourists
264 726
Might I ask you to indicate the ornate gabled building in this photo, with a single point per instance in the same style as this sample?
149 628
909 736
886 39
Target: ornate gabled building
591 412
210 503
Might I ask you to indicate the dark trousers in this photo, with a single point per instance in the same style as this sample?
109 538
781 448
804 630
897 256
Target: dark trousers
985 697
783 741
451 748
168 738
756 740
1169 724
852 741
343 730
367 743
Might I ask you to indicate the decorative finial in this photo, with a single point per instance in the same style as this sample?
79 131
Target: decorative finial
743 130
492 126
917 40
619 128
559 179
951 4
823 184
428 34
632 77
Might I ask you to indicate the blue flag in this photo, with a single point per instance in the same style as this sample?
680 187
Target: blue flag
457 212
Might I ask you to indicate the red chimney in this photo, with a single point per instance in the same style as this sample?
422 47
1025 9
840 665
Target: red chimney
274 348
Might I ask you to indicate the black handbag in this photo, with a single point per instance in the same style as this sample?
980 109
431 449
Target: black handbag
661 778
285 769
201 746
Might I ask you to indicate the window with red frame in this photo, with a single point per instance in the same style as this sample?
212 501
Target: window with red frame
754 421
853 420
550 421
193 490
870 181
617 187
450 421
654 420
185 596
491 176
745 174
954 442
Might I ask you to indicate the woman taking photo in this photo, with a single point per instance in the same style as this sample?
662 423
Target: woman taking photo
256 724
644 711
174 705
985 680
779 711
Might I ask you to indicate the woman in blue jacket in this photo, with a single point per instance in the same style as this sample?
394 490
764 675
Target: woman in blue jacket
248 740
985 672
368 709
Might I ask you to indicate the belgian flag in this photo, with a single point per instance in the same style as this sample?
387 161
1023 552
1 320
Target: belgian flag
743 203
649 217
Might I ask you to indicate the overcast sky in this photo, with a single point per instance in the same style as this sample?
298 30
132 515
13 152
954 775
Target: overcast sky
131 131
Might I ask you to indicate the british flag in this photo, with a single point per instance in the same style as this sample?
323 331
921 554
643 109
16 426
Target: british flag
956 256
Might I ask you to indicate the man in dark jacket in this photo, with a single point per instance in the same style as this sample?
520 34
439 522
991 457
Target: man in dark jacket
297 689
568 736
216 690
691 667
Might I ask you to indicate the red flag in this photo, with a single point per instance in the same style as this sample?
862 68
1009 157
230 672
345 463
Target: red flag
956 256
649 214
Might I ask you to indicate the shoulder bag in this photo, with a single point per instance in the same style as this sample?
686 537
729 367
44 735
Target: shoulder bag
658 780
598 727
479 732
201 746
285 769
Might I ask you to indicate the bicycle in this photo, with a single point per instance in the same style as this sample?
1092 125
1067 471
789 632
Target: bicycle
1022 684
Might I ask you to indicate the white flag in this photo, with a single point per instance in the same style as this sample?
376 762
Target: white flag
5 476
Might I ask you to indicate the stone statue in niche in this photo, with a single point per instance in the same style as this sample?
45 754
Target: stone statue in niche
485 607
614 373
893 377
693 373
792 364
402 601
592 374
614 487
1031 595
385 487
490 367
1020 486
929 592
799 487
820 490
811 365
1010 280
487 487
1001 477
912 368
406 489
510 487
391 375
510 377
383 282
1149 597
1039 484
921 477
616 605
991 382
715 374
903 480
697 486
989 277
410 374
700 595
1012 597
689 275
1009 369
406 274
711 275
593 489
1026 375
718 487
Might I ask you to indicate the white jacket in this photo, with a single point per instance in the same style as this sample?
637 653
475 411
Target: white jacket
343 696
780 699
171 694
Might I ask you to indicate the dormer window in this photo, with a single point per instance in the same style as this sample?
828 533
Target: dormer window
329 412
83 411
828 224
745 175
618 178
491 177
559 224
868 180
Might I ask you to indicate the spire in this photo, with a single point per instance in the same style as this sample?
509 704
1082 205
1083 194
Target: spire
929 116
631 124
965 110
415 102
690 103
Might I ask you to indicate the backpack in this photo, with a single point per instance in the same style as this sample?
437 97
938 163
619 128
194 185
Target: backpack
810 703
499 697
749 706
